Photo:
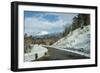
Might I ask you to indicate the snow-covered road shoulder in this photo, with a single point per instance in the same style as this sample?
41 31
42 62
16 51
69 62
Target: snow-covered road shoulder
36 50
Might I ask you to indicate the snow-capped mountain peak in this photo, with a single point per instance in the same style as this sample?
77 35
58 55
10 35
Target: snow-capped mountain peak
42 33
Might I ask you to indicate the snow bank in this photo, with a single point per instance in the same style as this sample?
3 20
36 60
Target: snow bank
36 49
77 39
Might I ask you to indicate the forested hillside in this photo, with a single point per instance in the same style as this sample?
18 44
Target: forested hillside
76 36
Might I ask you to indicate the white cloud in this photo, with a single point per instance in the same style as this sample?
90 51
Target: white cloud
37 24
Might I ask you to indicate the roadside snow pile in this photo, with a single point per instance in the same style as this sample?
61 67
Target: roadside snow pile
77 39
36 52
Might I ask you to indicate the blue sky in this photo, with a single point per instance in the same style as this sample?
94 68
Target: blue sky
46 22
47 17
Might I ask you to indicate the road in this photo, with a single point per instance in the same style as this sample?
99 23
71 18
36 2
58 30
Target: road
56 54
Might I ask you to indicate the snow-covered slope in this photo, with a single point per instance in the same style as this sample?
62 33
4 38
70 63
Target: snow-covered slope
77 39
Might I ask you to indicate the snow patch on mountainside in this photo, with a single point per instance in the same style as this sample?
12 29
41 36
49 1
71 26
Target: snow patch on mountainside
77 39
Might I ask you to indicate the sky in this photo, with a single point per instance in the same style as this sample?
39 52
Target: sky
41 23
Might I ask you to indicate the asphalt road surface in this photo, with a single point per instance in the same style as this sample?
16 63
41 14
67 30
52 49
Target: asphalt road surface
56 54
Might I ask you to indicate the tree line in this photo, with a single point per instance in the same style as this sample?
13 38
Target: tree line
79 21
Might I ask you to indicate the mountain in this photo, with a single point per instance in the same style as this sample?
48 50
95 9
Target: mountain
42 33
47 35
